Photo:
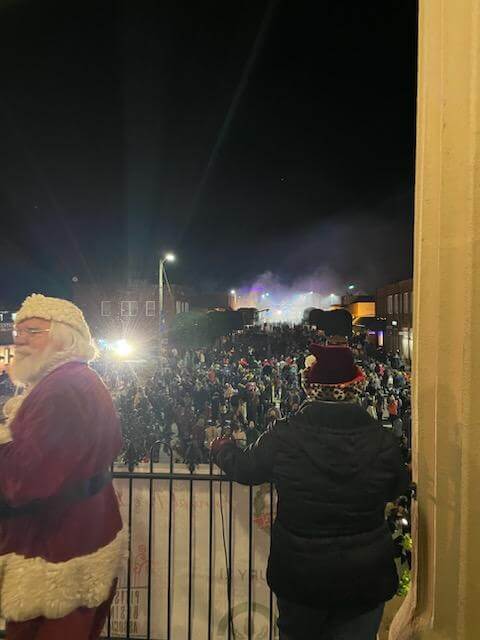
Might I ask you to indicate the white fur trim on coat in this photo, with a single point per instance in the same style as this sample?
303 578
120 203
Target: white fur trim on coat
5 434
33 587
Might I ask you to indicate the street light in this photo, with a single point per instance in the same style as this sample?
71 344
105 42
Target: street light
351 287
169 257
233 292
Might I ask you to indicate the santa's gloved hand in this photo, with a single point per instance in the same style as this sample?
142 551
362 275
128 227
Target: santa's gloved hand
218 444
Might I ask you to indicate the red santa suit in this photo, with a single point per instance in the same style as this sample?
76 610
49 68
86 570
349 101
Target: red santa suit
61 539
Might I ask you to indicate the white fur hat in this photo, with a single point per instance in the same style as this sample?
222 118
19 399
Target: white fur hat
56 309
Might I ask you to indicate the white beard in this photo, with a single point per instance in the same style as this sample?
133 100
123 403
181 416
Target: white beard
28 367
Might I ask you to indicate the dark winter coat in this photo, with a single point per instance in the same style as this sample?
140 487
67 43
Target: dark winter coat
334 468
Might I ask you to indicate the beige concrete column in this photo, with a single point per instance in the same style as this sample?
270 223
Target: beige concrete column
445 601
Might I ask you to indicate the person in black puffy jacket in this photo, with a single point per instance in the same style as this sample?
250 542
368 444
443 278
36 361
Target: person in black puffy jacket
331 562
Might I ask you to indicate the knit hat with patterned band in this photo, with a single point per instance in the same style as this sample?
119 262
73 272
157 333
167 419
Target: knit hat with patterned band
56 309
332 374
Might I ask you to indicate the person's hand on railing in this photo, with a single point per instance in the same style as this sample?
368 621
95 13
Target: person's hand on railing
217 445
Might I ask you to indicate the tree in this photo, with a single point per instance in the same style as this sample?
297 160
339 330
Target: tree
189 330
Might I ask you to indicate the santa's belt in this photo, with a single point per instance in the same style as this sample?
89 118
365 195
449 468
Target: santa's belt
81 491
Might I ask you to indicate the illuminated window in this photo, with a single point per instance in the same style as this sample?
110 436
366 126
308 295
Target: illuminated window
106 308
395 304
150 308
390 305
128 308
178 306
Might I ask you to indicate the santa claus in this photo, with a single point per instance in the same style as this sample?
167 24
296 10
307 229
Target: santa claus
61 539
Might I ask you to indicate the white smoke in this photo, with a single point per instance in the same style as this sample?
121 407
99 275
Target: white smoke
282 302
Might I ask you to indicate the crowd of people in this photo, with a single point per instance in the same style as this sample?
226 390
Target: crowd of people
239 387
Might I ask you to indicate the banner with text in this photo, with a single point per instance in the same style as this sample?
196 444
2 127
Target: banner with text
196 555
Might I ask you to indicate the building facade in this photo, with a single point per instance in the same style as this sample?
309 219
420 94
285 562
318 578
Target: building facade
129 312
359 305
395 303
214 301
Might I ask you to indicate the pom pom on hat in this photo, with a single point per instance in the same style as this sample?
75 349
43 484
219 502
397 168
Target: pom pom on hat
56 309
310 361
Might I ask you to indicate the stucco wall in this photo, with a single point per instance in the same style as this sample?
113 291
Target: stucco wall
445 601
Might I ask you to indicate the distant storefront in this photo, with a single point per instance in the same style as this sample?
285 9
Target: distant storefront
6 337
373 328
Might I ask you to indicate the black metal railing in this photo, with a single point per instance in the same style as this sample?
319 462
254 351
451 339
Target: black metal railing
223 615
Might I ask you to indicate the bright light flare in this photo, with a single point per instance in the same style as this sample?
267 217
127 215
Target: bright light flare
233 292
123 348
170 257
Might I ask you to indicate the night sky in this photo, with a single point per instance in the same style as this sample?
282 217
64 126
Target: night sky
247 137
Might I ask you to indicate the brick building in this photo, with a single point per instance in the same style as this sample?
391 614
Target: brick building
395 303
219 300
129 311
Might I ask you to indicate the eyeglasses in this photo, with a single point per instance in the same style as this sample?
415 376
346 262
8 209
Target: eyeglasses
30 332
